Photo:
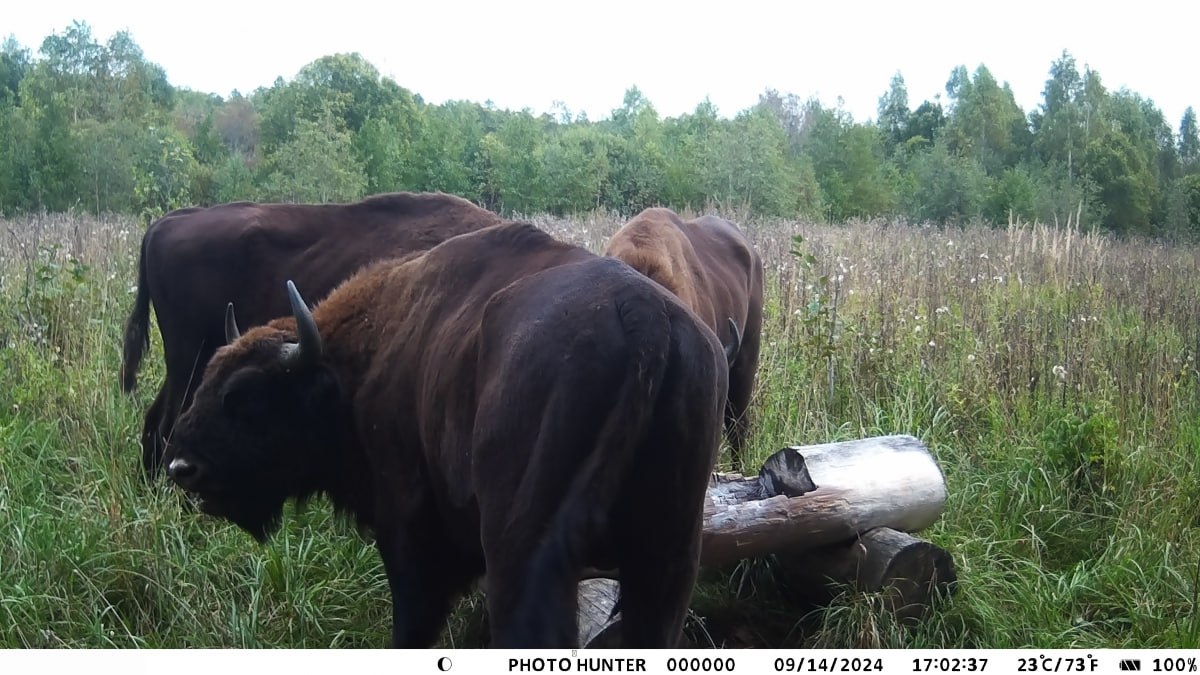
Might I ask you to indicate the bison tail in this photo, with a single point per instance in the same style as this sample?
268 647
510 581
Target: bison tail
137 327
583 516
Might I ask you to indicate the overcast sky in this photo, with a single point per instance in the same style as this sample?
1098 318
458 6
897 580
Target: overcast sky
529 53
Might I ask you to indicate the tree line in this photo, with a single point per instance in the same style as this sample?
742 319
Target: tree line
97 127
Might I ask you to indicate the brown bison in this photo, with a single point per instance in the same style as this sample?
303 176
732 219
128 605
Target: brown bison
499 405
195 261
710 265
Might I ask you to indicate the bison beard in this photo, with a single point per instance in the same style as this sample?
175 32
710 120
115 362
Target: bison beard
491 407
195 261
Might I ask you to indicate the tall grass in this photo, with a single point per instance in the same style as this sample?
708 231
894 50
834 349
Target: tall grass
1052 372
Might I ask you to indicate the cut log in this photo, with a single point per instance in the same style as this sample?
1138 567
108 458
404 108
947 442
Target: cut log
910 573
599 627
833 512
889 481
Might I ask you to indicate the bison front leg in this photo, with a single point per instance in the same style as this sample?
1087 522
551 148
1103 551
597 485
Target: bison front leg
425 575
152 440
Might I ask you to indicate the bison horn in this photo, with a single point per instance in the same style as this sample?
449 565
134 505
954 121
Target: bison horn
731 351
231 330
309 349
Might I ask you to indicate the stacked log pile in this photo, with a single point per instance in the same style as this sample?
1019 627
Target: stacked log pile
837 513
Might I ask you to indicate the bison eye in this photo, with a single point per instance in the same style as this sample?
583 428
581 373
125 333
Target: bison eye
245 396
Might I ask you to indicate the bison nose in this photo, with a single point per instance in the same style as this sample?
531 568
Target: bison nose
181 469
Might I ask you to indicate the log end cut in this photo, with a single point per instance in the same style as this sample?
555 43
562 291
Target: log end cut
910 574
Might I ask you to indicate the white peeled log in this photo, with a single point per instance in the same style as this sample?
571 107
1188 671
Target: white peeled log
887 481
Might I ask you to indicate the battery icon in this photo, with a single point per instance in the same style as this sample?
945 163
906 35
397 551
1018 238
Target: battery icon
1130 664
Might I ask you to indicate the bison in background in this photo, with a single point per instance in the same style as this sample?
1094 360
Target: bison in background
195 261
501 405
710 265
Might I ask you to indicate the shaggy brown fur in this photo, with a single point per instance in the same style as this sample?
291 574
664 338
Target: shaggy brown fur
195 261
500 404
710 265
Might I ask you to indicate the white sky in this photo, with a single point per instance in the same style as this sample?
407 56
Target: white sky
529 53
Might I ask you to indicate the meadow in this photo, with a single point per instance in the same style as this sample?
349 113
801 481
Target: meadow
1052 372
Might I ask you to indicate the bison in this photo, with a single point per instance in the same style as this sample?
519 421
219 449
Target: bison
501 405
710 265
194 261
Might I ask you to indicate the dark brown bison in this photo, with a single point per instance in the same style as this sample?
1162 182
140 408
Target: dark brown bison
195 261
710 265
501 404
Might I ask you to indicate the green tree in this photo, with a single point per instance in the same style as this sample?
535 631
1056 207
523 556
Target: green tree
106 159
848 161
346 85
316 165
237 124
1189 141
925 124
893 119
693 149
1012 194
520 162
386 155
163 172
52 150
15 63
985 122
102 81
637 156
446 150
16 160
946 187
1058 126
1183 214
386 145
233 181
576 161
1123 180
789 111
755 167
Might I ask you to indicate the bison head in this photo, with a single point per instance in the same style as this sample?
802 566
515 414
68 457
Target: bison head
261 425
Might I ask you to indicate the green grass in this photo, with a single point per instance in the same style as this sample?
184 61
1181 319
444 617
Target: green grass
1052 373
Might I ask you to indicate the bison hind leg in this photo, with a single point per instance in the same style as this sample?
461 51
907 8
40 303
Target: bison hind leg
534 605
655 593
